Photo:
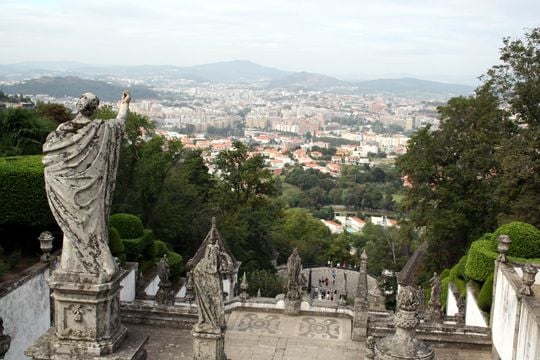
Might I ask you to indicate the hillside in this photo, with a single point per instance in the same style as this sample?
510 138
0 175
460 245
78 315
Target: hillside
74 86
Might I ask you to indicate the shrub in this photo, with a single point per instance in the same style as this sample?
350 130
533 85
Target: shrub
147 242
269 283
22 199
444 291
161 248
480 260
129 226
454 272
445 273
134 249
175 263
485 295
525 239
117 247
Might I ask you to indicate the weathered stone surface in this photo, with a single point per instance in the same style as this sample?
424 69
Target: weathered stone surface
166 293
361 305
403 344
81 159
208 346
295 282
208 331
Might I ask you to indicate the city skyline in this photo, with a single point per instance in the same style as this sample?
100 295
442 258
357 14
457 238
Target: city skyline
434 40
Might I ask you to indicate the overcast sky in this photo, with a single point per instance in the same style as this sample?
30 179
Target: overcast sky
368 38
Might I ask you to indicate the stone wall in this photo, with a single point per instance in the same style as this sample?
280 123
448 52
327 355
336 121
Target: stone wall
451 302
25 308
128 282
515 318
473 314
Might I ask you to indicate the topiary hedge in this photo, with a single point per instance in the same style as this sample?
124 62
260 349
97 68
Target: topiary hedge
486 294
161 248
141 248
22 196
445 273
444 291
175 263
117 247
480 260
525 239
129 226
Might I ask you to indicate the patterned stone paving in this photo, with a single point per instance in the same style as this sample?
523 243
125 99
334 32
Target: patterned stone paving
268 336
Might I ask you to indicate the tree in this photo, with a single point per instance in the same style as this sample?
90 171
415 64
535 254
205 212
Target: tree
247 176
516 81
57 112
303 231
23 132
451 175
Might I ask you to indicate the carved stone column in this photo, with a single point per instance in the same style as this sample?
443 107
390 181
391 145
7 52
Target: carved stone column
361 305
403 344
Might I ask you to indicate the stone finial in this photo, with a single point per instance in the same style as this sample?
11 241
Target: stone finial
190 296
503 246
528 278
403 344
244 286
259 293
46 245
213 222
5 340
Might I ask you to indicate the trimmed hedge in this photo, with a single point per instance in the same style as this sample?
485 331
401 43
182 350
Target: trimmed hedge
129 226
525 239
444 291
117 247
445 273
175 263
23 200
141 248
161 248
480 260
486 294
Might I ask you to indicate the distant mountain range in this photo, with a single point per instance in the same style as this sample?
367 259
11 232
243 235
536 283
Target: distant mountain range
237 71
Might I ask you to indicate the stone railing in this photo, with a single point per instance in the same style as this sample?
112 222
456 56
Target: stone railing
515 317
25 307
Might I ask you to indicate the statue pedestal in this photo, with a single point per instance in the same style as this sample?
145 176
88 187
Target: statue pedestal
208 346
292 307
360 320
86 317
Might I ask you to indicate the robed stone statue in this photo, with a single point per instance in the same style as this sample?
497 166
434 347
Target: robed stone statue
295 280
209 289
81 159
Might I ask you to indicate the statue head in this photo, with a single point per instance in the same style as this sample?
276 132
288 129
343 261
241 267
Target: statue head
87 104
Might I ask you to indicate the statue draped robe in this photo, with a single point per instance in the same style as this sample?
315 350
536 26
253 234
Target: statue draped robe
209 289
81 161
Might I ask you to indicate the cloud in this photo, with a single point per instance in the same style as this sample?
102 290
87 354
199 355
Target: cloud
416 36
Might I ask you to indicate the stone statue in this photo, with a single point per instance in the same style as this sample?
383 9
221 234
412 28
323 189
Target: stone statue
209 289
164 270
435 282
165 294
295 281
81 159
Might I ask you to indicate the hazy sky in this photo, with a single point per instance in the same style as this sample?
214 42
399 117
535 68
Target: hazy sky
371 37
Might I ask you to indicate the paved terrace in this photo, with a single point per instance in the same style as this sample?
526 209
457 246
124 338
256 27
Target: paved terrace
271 336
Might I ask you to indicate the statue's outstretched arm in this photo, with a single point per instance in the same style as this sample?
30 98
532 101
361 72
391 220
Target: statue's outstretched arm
124 106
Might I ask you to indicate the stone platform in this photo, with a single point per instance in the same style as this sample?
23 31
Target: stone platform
272 336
